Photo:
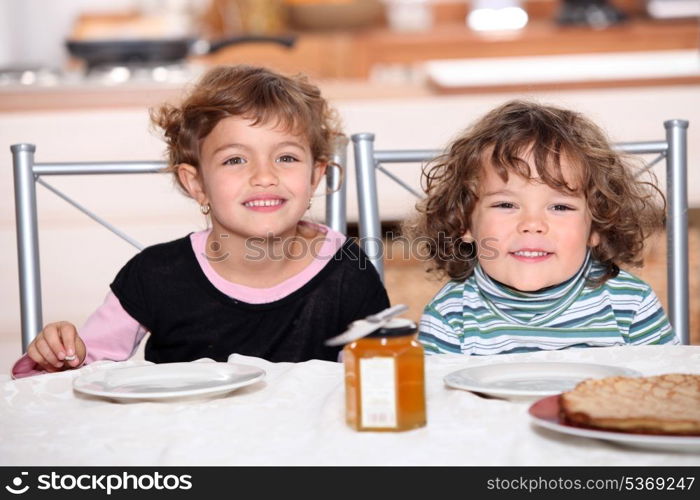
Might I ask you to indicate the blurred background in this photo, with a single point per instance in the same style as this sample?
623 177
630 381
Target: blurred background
77 78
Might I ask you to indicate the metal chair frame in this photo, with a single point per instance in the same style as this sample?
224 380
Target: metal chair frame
673 149
367 161
27 173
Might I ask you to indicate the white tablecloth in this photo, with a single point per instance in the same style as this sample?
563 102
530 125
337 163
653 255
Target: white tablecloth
296 416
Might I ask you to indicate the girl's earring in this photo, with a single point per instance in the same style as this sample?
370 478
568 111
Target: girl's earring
205 208
309 204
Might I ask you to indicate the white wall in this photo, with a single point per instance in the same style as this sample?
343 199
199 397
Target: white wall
5 27
79 259
32 32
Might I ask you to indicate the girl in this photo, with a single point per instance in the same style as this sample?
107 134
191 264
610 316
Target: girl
531 213
250 146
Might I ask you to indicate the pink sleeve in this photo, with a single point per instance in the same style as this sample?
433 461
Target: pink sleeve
109 334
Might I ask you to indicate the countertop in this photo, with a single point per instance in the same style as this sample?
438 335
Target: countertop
379 63
90 95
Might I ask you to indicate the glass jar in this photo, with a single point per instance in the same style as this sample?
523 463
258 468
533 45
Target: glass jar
385 379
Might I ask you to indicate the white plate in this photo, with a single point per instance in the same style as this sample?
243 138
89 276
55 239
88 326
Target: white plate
529 380
167 381
545 413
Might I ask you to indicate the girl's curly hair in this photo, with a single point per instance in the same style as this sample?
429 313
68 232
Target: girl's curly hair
624 209
255 93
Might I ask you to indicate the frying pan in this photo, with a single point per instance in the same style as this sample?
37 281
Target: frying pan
158 50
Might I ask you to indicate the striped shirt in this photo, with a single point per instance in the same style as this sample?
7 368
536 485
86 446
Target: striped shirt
481 316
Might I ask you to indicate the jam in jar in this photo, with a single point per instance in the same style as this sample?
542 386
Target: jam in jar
385 379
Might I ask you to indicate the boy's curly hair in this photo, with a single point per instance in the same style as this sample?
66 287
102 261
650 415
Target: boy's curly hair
255 93
624 209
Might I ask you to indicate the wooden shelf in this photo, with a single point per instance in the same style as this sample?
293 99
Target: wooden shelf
353 54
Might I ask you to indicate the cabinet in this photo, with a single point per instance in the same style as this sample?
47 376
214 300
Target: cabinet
353 54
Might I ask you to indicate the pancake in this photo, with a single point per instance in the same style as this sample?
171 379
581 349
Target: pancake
662 404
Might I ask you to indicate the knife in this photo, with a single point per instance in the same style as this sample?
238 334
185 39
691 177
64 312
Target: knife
363 327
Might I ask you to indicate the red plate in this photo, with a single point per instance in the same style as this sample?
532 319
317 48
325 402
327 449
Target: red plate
545 413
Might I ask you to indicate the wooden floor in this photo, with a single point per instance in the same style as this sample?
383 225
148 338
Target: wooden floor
408 283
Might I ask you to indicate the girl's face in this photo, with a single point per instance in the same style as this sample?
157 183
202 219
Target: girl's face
530 236
258 179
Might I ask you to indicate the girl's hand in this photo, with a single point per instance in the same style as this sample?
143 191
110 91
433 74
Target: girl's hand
57 347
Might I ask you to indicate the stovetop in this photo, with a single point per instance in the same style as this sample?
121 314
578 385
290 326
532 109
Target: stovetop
107 76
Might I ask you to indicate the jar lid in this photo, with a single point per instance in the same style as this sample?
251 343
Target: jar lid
396 327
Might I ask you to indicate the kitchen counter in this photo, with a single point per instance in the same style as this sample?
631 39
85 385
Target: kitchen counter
666 67
445 76
378 63
89 95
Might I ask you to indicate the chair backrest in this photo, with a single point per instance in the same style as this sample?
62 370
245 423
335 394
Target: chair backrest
673 149
27 173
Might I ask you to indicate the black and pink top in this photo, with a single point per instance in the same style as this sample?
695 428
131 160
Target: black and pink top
172 291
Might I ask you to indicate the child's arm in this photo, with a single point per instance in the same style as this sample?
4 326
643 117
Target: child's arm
650 324
437 334
109 333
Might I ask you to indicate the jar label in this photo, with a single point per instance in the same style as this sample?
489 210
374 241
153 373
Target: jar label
378 392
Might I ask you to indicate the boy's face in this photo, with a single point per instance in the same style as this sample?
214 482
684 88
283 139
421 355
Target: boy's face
529 236
258 179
